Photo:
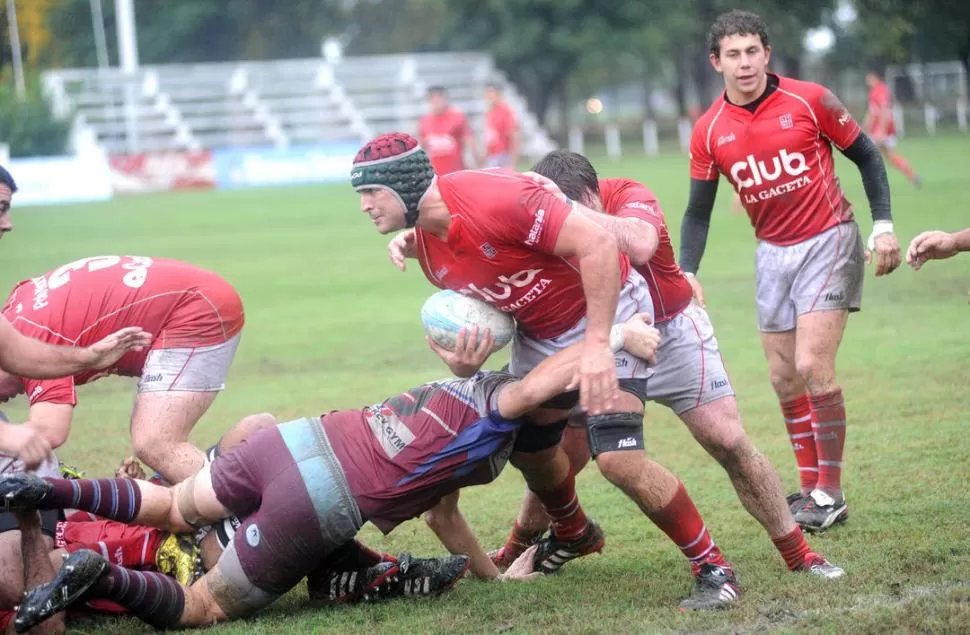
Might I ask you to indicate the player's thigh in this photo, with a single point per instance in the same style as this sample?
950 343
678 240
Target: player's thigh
831 274
305 512
162 418
690 371
775 269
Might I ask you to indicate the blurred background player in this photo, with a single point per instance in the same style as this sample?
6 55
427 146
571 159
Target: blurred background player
501 131
444 133
772 138
880 124
8 187
196 319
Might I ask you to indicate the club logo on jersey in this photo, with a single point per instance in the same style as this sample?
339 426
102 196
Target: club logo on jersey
488 250
844 117
750 173
725 139
390 431
786 121
647 207
441 273
504 286
536 228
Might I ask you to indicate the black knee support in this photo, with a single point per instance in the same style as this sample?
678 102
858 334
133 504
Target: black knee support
534 438
619 431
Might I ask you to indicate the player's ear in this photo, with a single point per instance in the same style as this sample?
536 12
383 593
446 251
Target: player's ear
767 53
715 61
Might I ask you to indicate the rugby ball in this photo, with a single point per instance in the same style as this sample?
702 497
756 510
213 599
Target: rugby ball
446 312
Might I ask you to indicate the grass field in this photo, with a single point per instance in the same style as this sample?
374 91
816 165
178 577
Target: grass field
330 324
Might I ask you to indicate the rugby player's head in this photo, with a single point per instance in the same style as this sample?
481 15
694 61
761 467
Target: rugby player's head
873 78
493 93
739 50
7 188
438 99
391 173
574 175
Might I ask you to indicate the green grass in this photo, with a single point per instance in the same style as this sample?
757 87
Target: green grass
331 324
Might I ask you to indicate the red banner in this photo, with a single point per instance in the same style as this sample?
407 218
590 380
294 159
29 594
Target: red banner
162 172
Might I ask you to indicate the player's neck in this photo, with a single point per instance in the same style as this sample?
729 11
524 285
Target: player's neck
433 214
739 98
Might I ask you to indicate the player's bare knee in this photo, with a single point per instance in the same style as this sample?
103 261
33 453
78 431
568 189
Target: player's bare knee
184 515
816 373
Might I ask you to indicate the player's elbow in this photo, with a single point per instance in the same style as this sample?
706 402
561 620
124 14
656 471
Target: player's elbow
641 251
443 515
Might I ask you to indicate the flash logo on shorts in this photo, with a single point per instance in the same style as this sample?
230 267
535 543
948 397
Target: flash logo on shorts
150 379
719 383
834 297
628 442
252 536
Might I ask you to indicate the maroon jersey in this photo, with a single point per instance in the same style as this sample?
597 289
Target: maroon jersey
669 288
504 228
181 305
779 159
403 455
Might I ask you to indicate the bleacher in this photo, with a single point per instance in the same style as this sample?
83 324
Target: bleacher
278 103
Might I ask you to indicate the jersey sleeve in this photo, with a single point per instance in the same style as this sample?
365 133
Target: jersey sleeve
702 166
527 214
834 119
486 388
640 203
61 390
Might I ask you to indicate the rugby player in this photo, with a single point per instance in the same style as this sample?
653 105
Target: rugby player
501 237
772 138
501 131
936 245
195 317
303 489
880 124
690 378
445 132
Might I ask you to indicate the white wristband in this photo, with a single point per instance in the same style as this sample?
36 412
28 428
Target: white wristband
879 228
616 338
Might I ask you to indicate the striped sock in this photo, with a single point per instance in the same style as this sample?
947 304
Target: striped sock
798 421
683 524
562 506
793 548
152 597
828 424
114 498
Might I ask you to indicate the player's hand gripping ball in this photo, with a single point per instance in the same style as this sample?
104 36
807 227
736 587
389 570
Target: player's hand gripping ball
447 312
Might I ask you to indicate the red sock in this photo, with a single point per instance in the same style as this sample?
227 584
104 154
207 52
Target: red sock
903 166
828 423
683 524
798 421
562 506
793 548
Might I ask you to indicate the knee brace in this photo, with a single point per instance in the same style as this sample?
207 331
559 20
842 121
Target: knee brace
188 509
533 438
619 431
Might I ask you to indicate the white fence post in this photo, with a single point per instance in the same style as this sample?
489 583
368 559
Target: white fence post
962 115
929 114
684 128
651 142
612 138
576 140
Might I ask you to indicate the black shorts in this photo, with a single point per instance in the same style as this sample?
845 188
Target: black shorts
48 521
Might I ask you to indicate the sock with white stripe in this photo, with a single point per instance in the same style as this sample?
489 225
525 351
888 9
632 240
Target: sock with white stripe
152 597
683 524
798 421
562 505
828 424
114 498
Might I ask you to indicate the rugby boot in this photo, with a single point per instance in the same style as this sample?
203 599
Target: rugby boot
821 511
178 557
553 552
408 577
817 565
23 491
796 500
715 587
505 555
79 572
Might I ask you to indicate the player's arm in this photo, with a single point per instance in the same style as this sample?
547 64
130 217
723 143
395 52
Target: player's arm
838 125
636 238
25 443
936 245
448 524
37 565
554 375
27 357
52 420
402 247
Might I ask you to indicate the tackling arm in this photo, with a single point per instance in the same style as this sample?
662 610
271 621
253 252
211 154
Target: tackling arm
26 357
448 524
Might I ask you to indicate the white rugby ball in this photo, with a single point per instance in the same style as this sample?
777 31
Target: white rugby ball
446 312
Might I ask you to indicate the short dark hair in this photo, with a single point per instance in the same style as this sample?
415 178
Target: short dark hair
6 179
494 86
571 171
735 23
437 89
